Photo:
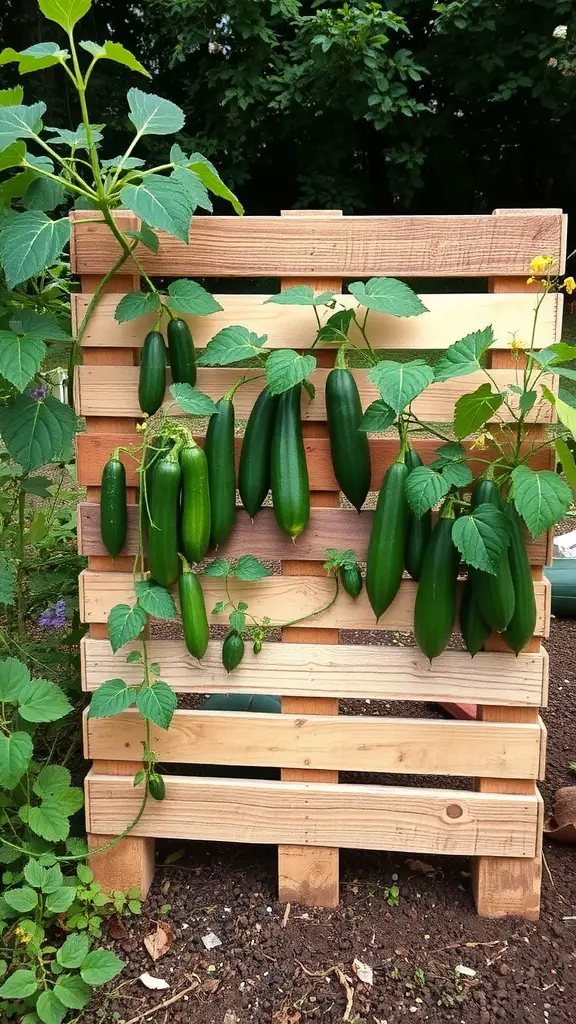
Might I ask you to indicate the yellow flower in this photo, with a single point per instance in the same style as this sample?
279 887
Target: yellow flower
517 343
542 264
22 936
480 443
570 285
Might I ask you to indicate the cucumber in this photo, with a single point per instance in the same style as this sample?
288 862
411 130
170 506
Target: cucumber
221 471
385 561
152 379
163 560
348 445
113 515
254 469
157 786
195 508
193 612
351 579
494 593
159 447
289 472
435 607
232 651
475 631
418 530
181 352
523 622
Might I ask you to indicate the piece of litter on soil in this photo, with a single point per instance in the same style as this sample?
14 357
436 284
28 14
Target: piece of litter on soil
230 1018
421 867
153 983
363 971
211 940
160 941
466 972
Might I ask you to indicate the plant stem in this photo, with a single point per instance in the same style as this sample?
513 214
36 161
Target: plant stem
20 599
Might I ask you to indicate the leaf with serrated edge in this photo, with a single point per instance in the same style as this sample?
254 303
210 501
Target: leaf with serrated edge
19 122
110 698
29 243
162 203
473 410
567 461
157 703
100 966
15 756
248 567
155 600
19 985
424 489
14 677
285 368
43 701
232 345
52 780
20 358
457 474
463 357
136 304
400 383
337 326
219 567
190 297
49 1009
387 295
65 13
152 115
49 821
72 991
124 624
73 951
378 417
192 401
542 499
482 537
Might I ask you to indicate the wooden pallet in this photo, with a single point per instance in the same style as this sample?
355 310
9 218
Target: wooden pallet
499 820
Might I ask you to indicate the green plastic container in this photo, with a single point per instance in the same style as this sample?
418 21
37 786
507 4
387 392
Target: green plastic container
562 576
258 702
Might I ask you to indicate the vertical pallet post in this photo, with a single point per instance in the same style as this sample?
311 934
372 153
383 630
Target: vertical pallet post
509 886
310 874
130 863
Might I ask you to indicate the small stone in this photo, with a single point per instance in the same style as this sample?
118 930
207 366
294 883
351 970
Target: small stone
211 940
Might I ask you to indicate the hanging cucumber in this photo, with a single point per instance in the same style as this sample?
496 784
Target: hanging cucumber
221 471
152 379
181 352
494 593
475 631
195 508
289 473
232 650
348 445
385 561
157 786
435 607
113 516
193 612
418 530
523 622
254 469
351 579
163 560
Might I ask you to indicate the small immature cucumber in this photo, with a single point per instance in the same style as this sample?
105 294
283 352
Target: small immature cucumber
219 450
254 469
289 475
113 516
351 579
494 594
523 622
195 508
232 651
152 380
157 786
435 607
181 352
348 445
385 561
163 560
475 631
193 611
418 530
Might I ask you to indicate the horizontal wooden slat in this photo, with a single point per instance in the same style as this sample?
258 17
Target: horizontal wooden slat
450 317
345 743
318 814
93 450
113 391
322 670
439 246
281 598
335 527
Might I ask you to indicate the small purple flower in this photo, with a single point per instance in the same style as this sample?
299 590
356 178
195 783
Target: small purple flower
54 616
38 393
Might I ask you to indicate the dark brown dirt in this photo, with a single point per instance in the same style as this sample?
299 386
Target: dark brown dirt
268 973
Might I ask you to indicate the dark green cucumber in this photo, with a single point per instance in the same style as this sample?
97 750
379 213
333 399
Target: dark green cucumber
232 651
195 507
113 515
289 472
475 631
435 607
159 447
348 445
523 622
385 562
152 380
418 529
254 469
163 560
181 352
156 786
193 612
494 593
351 579
221 471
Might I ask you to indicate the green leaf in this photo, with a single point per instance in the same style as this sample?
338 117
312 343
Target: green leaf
124 624
22 900
193 188
463 356
526 400
190 297
473 410
72 991
115 52
387 295
237 620
457 474
453 451
15 756
155 600
65 13
127 163
111 698
162 203
11 97
232 345
14 676
20 358
100 966
542 499
43 701
30 242
75 139
73 951
300 295
424 489
54 878
157 703
337 326
146 236
285 368
19 985
43 194
378 417
35 874
219 567
8 571
19 122
35 432
71 800
52 780
561 352
400 383
194 402
49 820
208 175
566 414
12 156
567 461
482 537
49 1009
249 568
137 304
44 326
61 900
37 485
85 874
134 657
152 115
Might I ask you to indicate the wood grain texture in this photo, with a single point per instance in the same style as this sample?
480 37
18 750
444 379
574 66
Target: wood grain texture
321 670
307 246
450 317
